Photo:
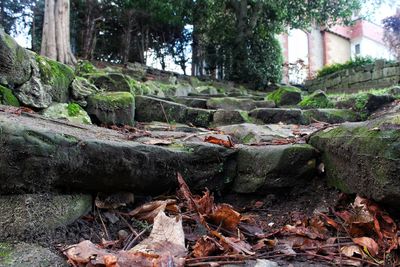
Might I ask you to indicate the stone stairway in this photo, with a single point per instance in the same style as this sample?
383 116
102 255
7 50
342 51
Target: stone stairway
216 111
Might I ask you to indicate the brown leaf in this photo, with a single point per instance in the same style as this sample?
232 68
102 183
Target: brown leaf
166 237
164 247
205 246
213 140
235 244
330 221
150 210
349 251
225 216
185 193
302 231
265 242
368 243
205 203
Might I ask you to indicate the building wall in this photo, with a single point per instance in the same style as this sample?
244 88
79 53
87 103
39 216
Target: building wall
369 47
337 49
316 51
378 75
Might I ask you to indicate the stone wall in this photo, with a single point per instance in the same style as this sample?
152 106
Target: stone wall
378 75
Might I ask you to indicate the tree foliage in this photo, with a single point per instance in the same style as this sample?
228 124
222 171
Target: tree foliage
230 39
237 37
392 33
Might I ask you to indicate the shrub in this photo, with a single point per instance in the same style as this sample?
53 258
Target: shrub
352 63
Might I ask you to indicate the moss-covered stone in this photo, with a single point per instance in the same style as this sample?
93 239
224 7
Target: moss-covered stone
81 88
207 89
318 99
285 96
112 82
363 157
199 117
150 109
84 67
226 117
112 108
7 97
71 112
231 103
15 68
56 75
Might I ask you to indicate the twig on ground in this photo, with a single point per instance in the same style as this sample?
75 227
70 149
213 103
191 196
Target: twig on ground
131 243
104 226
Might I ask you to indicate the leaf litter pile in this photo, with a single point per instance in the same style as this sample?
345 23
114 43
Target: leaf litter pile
193 230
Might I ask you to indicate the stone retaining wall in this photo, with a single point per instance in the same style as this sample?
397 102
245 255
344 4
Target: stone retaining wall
378 75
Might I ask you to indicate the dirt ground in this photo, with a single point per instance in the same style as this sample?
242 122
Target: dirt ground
272 212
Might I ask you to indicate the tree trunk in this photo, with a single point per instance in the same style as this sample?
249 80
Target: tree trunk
128 36
239 45
55 37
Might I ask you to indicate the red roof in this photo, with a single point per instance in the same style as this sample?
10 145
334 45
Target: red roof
361 28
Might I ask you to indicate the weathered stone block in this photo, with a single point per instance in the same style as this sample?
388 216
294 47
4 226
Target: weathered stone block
391 71
112 108
377 74
267 168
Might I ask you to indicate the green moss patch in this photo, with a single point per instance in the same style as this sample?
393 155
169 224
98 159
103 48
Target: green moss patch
316 100
7 97
84 67
278 94
71 112
54 73
113 99
73 109
5 253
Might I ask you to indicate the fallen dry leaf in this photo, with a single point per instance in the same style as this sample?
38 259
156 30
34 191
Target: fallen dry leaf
225 216
213 140
164 247
206 246
149 211
166 238
205 204
351 251
367 243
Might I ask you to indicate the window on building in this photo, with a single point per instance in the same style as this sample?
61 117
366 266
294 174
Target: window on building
358 50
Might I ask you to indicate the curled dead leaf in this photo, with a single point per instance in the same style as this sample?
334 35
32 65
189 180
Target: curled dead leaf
367 243
225 216
206 246
150 210
351 250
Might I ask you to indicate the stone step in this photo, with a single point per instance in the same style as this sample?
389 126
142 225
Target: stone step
363 158
150 109
41 155
298 116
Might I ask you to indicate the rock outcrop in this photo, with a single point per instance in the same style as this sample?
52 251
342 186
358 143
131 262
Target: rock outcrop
363 157
37 155
15 67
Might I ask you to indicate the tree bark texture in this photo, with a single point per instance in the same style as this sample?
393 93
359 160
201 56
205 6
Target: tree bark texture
56 37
